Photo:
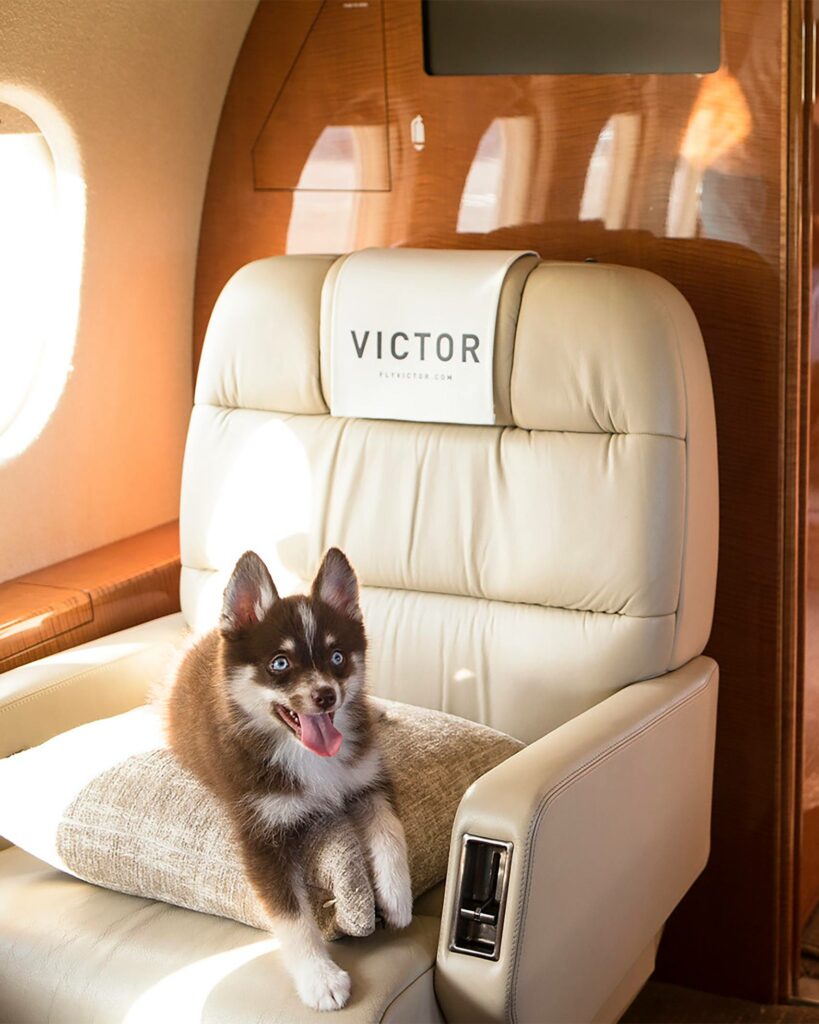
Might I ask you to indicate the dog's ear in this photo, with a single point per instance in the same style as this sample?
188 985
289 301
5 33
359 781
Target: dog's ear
249 596
336 584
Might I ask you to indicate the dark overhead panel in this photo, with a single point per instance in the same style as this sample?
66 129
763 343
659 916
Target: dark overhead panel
565 37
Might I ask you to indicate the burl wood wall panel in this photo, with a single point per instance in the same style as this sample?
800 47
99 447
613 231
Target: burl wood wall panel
683 175
89 596
809 880
345 110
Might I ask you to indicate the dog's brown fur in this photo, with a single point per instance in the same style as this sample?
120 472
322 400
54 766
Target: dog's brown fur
226 725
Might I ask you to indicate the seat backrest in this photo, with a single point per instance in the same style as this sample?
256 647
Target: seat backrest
514 574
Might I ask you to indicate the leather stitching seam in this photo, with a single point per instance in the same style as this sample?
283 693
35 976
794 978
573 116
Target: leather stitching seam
280 414
494 601
394 1000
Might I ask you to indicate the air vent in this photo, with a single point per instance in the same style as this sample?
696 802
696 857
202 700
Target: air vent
483 878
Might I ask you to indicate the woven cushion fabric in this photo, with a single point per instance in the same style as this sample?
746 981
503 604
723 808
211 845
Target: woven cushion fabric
108 803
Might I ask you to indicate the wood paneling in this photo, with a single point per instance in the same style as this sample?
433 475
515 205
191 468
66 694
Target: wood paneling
809 874
685 175
33 613
92 595
327 127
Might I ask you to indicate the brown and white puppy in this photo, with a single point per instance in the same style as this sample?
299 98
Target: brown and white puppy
269 711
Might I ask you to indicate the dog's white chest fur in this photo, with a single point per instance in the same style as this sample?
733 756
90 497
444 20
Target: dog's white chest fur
326 784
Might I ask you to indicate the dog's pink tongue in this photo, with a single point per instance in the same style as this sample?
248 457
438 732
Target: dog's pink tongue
320 735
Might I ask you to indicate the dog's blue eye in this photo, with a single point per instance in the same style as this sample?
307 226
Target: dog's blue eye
336 658
279 664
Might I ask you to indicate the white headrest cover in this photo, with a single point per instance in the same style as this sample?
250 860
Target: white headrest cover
412 334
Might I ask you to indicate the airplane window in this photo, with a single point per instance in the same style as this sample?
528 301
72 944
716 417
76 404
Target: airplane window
498 188
609 177
42 214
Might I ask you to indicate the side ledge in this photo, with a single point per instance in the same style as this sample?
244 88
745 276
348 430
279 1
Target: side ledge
97 679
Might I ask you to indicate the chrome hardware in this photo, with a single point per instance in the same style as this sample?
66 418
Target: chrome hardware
418 134
480 900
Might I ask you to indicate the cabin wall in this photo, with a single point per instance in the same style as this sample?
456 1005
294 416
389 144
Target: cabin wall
809 867
140 83
693 177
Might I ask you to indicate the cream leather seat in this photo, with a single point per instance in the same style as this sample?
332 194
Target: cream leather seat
552 576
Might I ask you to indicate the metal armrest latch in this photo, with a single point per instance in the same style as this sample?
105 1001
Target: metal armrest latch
483 878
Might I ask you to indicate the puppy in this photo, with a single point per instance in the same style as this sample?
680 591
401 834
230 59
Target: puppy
269 711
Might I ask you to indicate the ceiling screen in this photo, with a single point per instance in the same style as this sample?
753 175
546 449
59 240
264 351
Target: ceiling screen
571 37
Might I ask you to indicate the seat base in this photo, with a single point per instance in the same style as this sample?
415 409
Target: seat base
634 979
73 952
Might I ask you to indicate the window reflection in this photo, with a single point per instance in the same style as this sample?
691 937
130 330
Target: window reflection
324 217
333 160
498 186
719 121
322 222
609 177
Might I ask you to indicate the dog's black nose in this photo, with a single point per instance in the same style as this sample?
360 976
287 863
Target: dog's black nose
324 697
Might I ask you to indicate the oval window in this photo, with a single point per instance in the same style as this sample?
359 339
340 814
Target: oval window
42 213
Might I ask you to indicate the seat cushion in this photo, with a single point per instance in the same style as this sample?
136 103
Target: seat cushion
109 803
71 952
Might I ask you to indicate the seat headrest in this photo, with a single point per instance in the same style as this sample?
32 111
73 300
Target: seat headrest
607 339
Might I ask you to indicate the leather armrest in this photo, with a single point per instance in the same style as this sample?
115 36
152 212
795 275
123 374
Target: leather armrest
95 680
609 817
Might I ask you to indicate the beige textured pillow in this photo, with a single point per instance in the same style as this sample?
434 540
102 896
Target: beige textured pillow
107 802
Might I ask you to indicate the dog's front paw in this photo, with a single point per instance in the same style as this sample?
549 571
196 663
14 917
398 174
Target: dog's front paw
322 985
396 904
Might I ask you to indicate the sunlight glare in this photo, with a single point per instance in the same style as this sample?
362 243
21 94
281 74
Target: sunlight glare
253 509
720 121
98 654
180 997
324 216
42 210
